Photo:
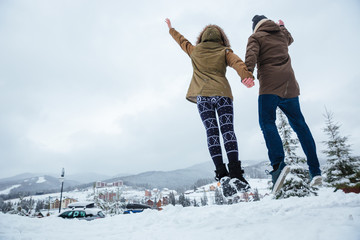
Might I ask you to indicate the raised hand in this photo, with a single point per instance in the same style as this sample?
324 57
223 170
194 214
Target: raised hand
281 23
168 22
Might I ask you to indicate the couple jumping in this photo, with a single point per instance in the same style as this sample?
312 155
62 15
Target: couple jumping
268 49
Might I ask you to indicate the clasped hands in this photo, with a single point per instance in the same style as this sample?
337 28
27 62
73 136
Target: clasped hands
248 82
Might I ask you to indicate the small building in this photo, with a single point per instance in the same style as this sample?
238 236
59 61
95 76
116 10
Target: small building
158 205
108 196
147 193
100 184
212 188
64 203
165 201
67 201
118 184
150 203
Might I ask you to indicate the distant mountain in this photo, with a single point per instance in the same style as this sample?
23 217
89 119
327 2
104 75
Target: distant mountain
29 183
172 179
32 185
185 178
20 177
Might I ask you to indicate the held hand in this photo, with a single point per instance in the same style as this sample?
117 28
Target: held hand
248 82
168 22
281 23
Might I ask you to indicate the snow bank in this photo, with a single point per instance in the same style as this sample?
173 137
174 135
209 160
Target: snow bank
329 216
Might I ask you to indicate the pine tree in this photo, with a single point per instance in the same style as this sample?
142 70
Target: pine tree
195 203
219 198
182 199
172 199
343 170
297 181
256 196
204 200
39 205
5 206
187 202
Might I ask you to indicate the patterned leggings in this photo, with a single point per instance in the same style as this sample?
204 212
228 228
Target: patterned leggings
208 106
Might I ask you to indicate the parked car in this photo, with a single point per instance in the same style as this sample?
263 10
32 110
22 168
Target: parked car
83 214
135 208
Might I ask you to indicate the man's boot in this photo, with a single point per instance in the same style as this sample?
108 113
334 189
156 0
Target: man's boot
278 176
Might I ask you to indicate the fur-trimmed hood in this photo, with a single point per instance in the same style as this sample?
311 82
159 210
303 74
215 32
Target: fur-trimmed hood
267 25
213 33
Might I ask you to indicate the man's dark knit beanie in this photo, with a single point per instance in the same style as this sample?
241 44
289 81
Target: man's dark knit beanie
256 19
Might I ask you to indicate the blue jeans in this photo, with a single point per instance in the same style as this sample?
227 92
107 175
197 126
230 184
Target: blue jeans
291 108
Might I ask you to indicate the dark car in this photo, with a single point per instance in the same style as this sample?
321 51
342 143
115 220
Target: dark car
83 214
135 208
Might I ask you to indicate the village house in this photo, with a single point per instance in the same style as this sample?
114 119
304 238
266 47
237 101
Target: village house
108 196
64 203
100 184
212 188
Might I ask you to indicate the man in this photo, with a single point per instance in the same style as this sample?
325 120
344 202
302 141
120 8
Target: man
268 49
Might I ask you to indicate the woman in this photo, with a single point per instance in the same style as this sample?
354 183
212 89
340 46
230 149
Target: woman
211 91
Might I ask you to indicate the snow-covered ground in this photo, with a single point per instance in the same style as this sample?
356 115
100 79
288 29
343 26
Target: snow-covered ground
329 216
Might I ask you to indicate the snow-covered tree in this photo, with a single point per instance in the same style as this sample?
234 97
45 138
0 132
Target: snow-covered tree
24 207
343 170
256 196
195 203
5 206
219 198
184 201
297 181
172 199
39 205
204 200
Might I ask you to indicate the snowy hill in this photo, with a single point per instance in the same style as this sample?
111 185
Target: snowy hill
329 216
185 178
32 185
20 177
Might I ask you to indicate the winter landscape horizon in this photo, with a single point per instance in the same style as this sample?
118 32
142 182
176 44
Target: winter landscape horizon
328 216
202 214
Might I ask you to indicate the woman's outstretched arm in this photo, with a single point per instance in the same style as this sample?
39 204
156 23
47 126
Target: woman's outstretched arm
180 39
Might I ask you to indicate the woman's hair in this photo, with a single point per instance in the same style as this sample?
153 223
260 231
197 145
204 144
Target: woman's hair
225 40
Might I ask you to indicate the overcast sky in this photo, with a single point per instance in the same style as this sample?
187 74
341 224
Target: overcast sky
99 86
